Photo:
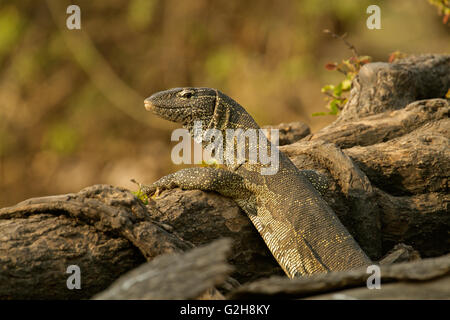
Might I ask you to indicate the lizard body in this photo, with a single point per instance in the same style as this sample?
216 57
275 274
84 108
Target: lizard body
303 233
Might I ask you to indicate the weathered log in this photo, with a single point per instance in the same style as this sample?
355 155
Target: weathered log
289 132
174 276
381 87
435 289
417 271
103 230
36 251
383 126
415 163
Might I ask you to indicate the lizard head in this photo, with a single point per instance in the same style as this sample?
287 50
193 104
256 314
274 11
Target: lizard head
184 105
214 109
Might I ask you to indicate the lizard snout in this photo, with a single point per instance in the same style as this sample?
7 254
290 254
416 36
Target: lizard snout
148 104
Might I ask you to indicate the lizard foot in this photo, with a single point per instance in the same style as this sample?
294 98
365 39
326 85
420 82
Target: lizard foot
148 190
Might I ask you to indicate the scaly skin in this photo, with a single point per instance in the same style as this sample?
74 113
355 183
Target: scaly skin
300 229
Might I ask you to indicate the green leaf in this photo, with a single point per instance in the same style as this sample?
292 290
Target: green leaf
326 88
141 196
346 85
338 90
334 106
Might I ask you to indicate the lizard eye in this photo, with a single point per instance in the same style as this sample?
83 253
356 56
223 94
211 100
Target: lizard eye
186 94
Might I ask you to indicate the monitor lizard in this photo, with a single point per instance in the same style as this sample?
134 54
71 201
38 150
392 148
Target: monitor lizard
303 233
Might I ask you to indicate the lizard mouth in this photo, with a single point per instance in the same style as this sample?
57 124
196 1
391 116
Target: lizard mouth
164 111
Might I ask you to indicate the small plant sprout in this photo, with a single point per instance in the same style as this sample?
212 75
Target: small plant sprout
139 194
335 94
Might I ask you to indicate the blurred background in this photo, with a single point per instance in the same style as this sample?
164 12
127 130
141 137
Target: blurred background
71 101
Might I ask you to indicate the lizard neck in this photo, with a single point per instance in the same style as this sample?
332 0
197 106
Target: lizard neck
228 114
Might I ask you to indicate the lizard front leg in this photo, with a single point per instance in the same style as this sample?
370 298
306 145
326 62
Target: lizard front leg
225 182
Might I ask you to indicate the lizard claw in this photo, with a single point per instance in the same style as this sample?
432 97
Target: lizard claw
152 190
